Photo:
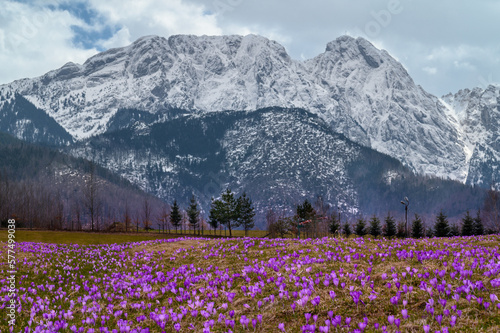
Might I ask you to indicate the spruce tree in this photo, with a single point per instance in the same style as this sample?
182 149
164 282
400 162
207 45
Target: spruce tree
417 228
214 214
305 211
441 227
454 230
223 211
400 230
245 213
359 229
478 225
467 225
193 213
175 216
347 229
229 212
390 226
334 224
374 226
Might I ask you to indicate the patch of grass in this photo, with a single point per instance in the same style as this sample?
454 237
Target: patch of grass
75 237
277 279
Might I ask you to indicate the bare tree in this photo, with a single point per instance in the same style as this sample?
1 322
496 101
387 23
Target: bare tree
77 213
126 217
163 217
137 221
146 210
91 195
491 210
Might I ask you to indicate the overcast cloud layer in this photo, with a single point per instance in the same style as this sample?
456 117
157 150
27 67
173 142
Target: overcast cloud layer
445 45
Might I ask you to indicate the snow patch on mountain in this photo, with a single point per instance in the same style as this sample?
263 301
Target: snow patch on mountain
359 90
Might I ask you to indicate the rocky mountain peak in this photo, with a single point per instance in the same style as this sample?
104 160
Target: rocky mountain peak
357 89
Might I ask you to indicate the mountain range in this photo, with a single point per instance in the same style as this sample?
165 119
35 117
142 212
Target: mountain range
170 114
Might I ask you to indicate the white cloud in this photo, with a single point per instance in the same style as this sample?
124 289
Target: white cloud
442 49
430 70
35 40
120 38
155 17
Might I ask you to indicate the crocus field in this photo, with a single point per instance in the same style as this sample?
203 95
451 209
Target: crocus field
258 285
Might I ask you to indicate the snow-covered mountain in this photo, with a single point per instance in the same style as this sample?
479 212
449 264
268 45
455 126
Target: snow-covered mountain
476 114
278 156
357 89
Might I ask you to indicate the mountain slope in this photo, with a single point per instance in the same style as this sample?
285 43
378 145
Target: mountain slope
279 157
476 113
358 90
44 188
23 120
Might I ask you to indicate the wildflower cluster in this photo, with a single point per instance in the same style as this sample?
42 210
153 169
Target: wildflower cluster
259 285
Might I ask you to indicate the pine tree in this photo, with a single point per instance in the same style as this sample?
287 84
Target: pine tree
441 227
347 229
223 211
245 213
305 211
478 225
229 212
334 224
390 226
417 228
214 218
374 226
400 230
193 213
175 216
467 225
359 229
454 230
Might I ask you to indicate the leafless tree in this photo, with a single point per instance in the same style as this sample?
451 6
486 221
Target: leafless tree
91 195
491 210
146 211
127 220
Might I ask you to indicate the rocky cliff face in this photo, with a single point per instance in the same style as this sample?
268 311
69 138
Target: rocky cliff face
278 156
476 114
357 89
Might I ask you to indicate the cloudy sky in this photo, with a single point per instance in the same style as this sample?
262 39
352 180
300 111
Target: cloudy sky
445 45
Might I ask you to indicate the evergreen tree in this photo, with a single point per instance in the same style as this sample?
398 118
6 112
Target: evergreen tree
441 227
390 226
245 213
193 213
467 225
478 228
224 210
215 209
374 226
175 216
347 229
305 211
454 230
334 224
229 213
400 230
359 229
417 228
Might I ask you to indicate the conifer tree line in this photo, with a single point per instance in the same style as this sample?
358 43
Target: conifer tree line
310 222
96 205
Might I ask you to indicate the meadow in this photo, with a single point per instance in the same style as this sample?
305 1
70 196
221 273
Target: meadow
255 285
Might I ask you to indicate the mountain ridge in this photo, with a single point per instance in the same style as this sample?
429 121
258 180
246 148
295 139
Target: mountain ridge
358 90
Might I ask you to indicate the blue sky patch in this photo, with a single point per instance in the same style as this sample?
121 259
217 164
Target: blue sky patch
87 39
